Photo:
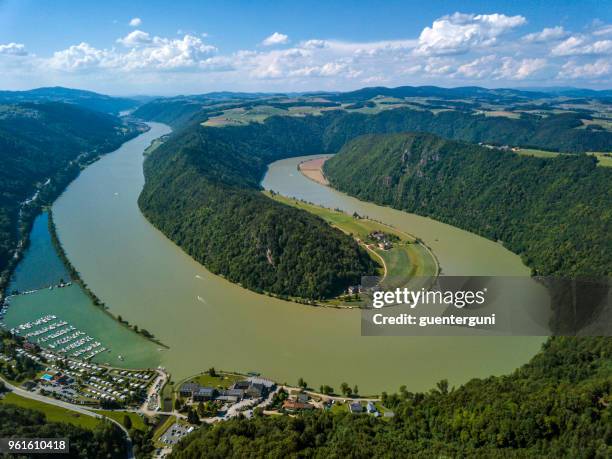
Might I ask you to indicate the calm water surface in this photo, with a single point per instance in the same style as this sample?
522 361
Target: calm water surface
40 268
208 321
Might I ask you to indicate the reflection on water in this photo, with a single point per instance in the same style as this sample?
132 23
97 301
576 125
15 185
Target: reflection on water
208 321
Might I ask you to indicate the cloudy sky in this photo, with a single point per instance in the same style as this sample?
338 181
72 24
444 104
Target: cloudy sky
179 47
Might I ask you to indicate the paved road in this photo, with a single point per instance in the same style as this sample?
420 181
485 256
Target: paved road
71 407
162 376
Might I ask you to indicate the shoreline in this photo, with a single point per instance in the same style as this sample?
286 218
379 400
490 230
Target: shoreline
96 301
30 209
315 173
312 169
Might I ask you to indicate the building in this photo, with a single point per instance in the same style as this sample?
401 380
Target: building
243 385
302 397
256 390
292 405
238 393
188 389
204 394
370 408
356 408
267 383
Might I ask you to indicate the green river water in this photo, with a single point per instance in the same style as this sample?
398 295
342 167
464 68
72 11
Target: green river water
208 321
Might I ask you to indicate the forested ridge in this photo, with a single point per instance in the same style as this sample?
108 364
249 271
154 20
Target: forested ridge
105 441
555 132
40 141
202 191
87 99
558 405
554 212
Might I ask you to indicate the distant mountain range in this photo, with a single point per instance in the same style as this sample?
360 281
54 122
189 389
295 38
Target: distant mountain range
110 104
87 99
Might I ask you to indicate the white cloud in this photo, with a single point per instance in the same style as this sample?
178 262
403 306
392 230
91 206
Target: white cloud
164 53
135 38
603 30
504 68
545 35
519 69
135 22
276 39
573 70
13 49
80 57
146 53
456 49
580 45
459 33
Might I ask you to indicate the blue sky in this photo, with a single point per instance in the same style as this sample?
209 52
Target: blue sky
155 47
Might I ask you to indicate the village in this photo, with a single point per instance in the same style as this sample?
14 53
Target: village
172 410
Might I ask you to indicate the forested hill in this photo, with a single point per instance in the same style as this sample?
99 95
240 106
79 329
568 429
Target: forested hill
555 132
104 441
202 190
564 132
86 99
558 405
554 212
38 141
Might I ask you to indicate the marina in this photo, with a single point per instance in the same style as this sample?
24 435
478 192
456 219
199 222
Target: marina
45 307
48 331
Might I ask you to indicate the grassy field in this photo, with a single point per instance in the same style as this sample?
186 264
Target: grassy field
502 113
221 381
603 159
137 421
257 114
537 153
53 413
404 262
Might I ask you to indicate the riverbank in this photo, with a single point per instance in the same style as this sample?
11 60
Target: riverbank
48 192
406 260
76 277
313 170
143 276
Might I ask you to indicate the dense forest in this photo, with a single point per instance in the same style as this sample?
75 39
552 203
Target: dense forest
561 132
202 191
554 212
87 99
105 441
41 141
198 165
558 405
555 132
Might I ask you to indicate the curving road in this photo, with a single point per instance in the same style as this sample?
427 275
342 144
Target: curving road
69 406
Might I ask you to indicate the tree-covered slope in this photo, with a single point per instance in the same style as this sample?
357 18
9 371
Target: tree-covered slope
558 405
105 441
86 99
39 141
555 132
554 212
202 191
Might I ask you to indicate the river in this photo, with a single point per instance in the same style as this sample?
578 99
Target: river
208 321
